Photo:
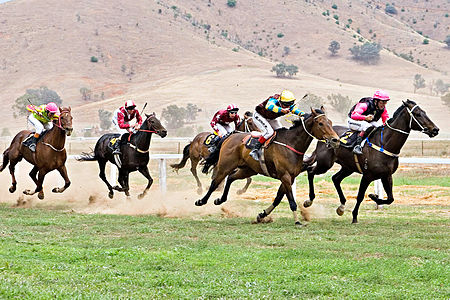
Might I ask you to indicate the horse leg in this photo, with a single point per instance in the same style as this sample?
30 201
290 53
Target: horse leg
219 177
33 174
238 174
276 201
244 189
221 185
102 165
287 181
337 179
387 185
63 171
144 171
361 192
39 189
12 167
121 180
126 186
322 166
194 163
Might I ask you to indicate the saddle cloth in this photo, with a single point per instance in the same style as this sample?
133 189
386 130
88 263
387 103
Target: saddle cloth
348 139
250 139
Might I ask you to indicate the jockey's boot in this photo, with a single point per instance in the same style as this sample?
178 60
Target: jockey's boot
214 143
30 142
255 151
117 147
358 149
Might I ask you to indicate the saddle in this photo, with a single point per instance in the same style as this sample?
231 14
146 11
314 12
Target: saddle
210 139
348 139
114 140
251 139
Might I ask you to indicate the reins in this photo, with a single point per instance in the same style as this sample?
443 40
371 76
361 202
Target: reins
134 146
60 127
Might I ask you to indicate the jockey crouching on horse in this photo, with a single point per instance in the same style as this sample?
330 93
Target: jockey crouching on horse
41 118
366 113
121 120
220 123
266 114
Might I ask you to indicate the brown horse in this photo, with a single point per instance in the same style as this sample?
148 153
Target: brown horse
379 159
282 160
50 154
197 151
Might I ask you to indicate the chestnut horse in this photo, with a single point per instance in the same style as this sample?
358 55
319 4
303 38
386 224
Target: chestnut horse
379 159
197 151
50 154
283 159
134 157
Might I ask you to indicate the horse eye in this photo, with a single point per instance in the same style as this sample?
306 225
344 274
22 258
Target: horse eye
320 124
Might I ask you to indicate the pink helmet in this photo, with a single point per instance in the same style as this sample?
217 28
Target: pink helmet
130 104
52 107
232 107
381 95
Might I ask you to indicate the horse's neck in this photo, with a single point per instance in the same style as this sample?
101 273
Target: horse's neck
298 138
393 140
142 139
242 126
55 137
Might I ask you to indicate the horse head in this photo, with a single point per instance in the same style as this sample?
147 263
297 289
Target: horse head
65 120
153 123
322 128
419 119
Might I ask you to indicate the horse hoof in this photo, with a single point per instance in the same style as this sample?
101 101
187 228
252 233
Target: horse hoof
239 192
340 211
260 217
28 192
199 203
218 201
110 195
140 196
374 197
57 190
354 221
41 196
298 224
307 203
12 189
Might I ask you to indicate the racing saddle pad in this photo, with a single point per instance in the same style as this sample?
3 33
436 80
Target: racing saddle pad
348 139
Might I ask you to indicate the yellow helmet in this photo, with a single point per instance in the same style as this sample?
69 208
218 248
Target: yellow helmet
287 97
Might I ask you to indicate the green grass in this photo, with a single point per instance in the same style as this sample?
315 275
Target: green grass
394 253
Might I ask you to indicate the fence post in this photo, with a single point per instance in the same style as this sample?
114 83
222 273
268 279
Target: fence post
162 175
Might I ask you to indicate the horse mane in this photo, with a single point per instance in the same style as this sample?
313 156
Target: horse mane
297 123
397 112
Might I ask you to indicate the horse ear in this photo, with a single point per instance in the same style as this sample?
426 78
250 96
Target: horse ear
60 109
312 111
70 109
405 103
147 115
322 108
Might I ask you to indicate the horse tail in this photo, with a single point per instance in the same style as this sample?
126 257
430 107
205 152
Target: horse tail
183 161
5 159
87 157
309 161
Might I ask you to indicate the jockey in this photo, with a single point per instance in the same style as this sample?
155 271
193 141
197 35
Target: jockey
266 114
366 113
121 120
41 118
220 123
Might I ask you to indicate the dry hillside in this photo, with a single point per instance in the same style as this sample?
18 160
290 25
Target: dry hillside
207 53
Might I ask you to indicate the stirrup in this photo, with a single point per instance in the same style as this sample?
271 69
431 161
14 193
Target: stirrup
255 154
357 149
32 147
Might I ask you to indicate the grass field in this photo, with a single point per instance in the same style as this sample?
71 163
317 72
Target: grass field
401 251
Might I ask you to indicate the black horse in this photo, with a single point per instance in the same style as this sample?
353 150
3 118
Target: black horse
134 155
379 159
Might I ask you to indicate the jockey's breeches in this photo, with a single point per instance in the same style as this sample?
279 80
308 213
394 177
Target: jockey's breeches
38 126
267 127
362 125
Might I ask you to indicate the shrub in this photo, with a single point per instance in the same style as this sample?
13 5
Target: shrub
105 119
341 104
176 116
336 17
368 53
426 42
85 93
37 97
447 41
280 35
310 100
419 82
446 99
334 47
440 87
334 6
231 3
283 70
390 9
94 59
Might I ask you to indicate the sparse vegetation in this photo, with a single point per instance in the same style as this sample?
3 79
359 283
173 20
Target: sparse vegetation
426 41
5 132
105 119
334 6
440 87
309 101
446 99
340 104
447 41
390 9
34 96
419 82
85 93
231 3
368 53
334 47
176 116
94 59
280 35
283 70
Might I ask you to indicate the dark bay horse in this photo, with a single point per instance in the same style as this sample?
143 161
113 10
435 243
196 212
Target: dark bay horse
374 163
134 157
283 159
197 151
50 154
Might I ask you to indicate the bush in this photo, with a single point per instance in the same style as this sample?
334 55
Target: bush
105 119
368 53
37 97
446 99
426 41
334 47
419 82
280 35
176 116
334 6
440 87
231 3
283 70
309 101
390 9
85 93
94 59
341 104
447 41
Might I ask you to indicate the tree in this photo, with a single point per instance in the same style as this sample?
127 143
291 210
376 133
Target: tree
310 100
291 70
334 47
174 115
36 97
105 119
440 87
341 104
446 99
85 93
447 41
419 82
368 53
390 9
281 69
231 3
192 111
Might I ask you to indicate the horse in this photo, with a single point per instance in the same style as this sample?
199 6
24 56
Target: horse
50 154
379 159
197 151
134 157
282 160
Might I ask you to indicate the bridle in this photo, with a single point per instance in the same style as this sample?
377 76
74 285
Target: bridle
410 111
304 127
